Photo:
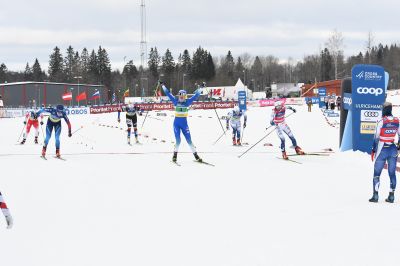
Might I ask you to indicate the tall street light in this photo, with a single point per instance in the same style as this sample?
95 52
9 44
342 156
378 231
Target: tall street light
78 78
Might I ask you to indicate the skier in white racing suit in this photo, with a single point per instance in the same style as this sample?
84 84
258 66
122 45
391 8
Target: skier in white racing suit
234 118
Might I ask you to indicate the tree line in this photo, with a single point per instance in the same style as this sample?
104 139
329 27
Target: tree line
258 72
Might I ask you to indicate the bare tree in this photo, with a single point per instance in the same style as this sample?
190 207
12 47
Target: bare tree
369 44
335 46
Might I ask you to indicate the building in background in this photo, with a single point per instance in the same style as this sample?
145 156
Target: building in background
35 94
333 87
286 89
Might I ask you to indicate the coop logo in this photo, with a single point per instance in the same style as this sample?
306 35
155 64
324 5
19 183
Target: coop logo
390 131
372 91
360 75
370 115
347 100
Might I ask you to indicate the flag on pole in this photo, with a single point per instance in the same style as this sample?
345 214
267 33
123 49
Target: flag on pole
126 93
81 96
67 96
95 96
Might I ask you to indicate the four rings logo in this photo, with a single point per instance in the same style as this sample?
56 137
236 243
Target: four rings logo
371 114
373 91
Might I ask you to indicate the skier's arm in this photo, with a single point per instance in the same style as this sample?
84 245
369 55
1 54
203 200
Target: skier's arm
119 113
376 139
245 119
272 118
228 117
169 95
291 108
68 123
6 212
44 110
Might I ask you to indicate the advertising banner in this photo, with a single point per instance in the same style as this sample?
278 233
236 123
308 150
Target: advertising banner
347 101
321 95
368 95
77 111
242 100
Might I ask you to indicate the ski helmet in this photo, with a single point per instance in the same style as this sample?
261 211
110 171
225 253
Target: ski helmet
182 95
387 109
60 108
278 105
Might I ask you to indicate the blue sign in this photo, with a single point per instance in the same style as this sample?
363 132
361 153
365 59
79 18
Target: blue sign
321 95
347 101
242 100
314 100
333 115
368 94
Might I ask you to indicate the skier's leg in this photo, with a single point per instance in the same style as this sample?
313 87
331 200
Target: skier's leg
378 167
392 161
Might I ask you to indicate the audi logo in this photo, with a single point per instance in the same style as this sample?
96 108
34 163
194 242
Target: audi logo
373 91
371 114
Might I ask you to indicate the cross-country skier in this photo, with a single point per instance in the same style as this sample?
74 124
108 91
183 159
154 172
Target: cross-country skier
182 105
31 119
54 122
384 150
131 119
278 120
6 212
234 117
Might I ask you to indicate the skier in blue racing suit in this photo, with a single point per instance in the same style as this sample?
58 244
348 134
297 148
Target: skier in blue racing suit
54 122
182 105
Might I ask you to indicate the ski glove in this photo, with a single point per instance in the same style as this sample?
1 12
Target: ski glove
272 123
203 85
119 120
24 122
69 134
41 123
244 125
398 145
372 155
9 221
294 110
160 83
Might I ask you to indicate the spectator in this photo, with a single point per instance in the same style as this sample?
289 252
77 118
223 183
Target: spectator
338 102
332 102
1 107
309 104
326 100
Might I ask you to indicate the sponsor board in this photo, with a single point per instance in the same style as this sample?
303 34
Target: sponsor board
77 111
13 112
329 111
367 128
333 115
270 102
370 115
161 114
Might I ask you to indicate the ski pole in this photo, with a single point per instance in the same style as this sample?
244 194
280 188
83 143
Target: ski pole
22 131
257 141
262 138
41 127
223 134
144 119
76 130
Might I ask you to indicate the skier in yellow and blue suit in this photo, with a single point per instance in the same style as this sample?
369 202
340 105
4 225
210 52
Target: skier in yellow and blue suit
182 104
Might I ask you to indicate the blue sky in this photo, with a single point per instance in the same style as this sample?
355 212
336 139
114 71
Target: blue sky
30 29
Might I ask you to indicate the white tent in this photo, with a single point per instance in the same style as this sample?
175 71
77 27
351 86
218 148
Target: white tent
227 92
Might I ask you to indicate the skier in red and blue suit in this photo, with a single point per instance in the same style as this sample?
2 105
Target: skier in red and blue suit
385 150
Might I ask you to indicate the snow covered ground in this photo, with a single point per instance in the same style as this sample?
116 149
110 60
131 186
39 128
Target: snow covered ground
114 204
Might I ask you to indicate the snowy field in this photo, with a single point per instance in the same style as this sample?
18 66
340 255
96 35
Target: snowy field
114 204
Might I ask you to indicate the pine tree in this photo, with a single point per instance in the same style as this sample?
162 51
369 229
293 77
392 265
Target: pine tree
326 65
256 72
27 73
239 68
130 73
69 63
186 62
104 67
154 62
3 73
229 65
84 65
37 71
168 64
56 66
210 73
93 69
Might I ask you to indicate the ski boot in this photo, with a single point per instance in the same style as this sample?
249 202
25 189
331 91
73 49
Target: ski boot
234 141
129 140
23 141
136 139
374 197
58 153
284 156
44 151
390 198
174 157
238 142
299 151
197 157
36 140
